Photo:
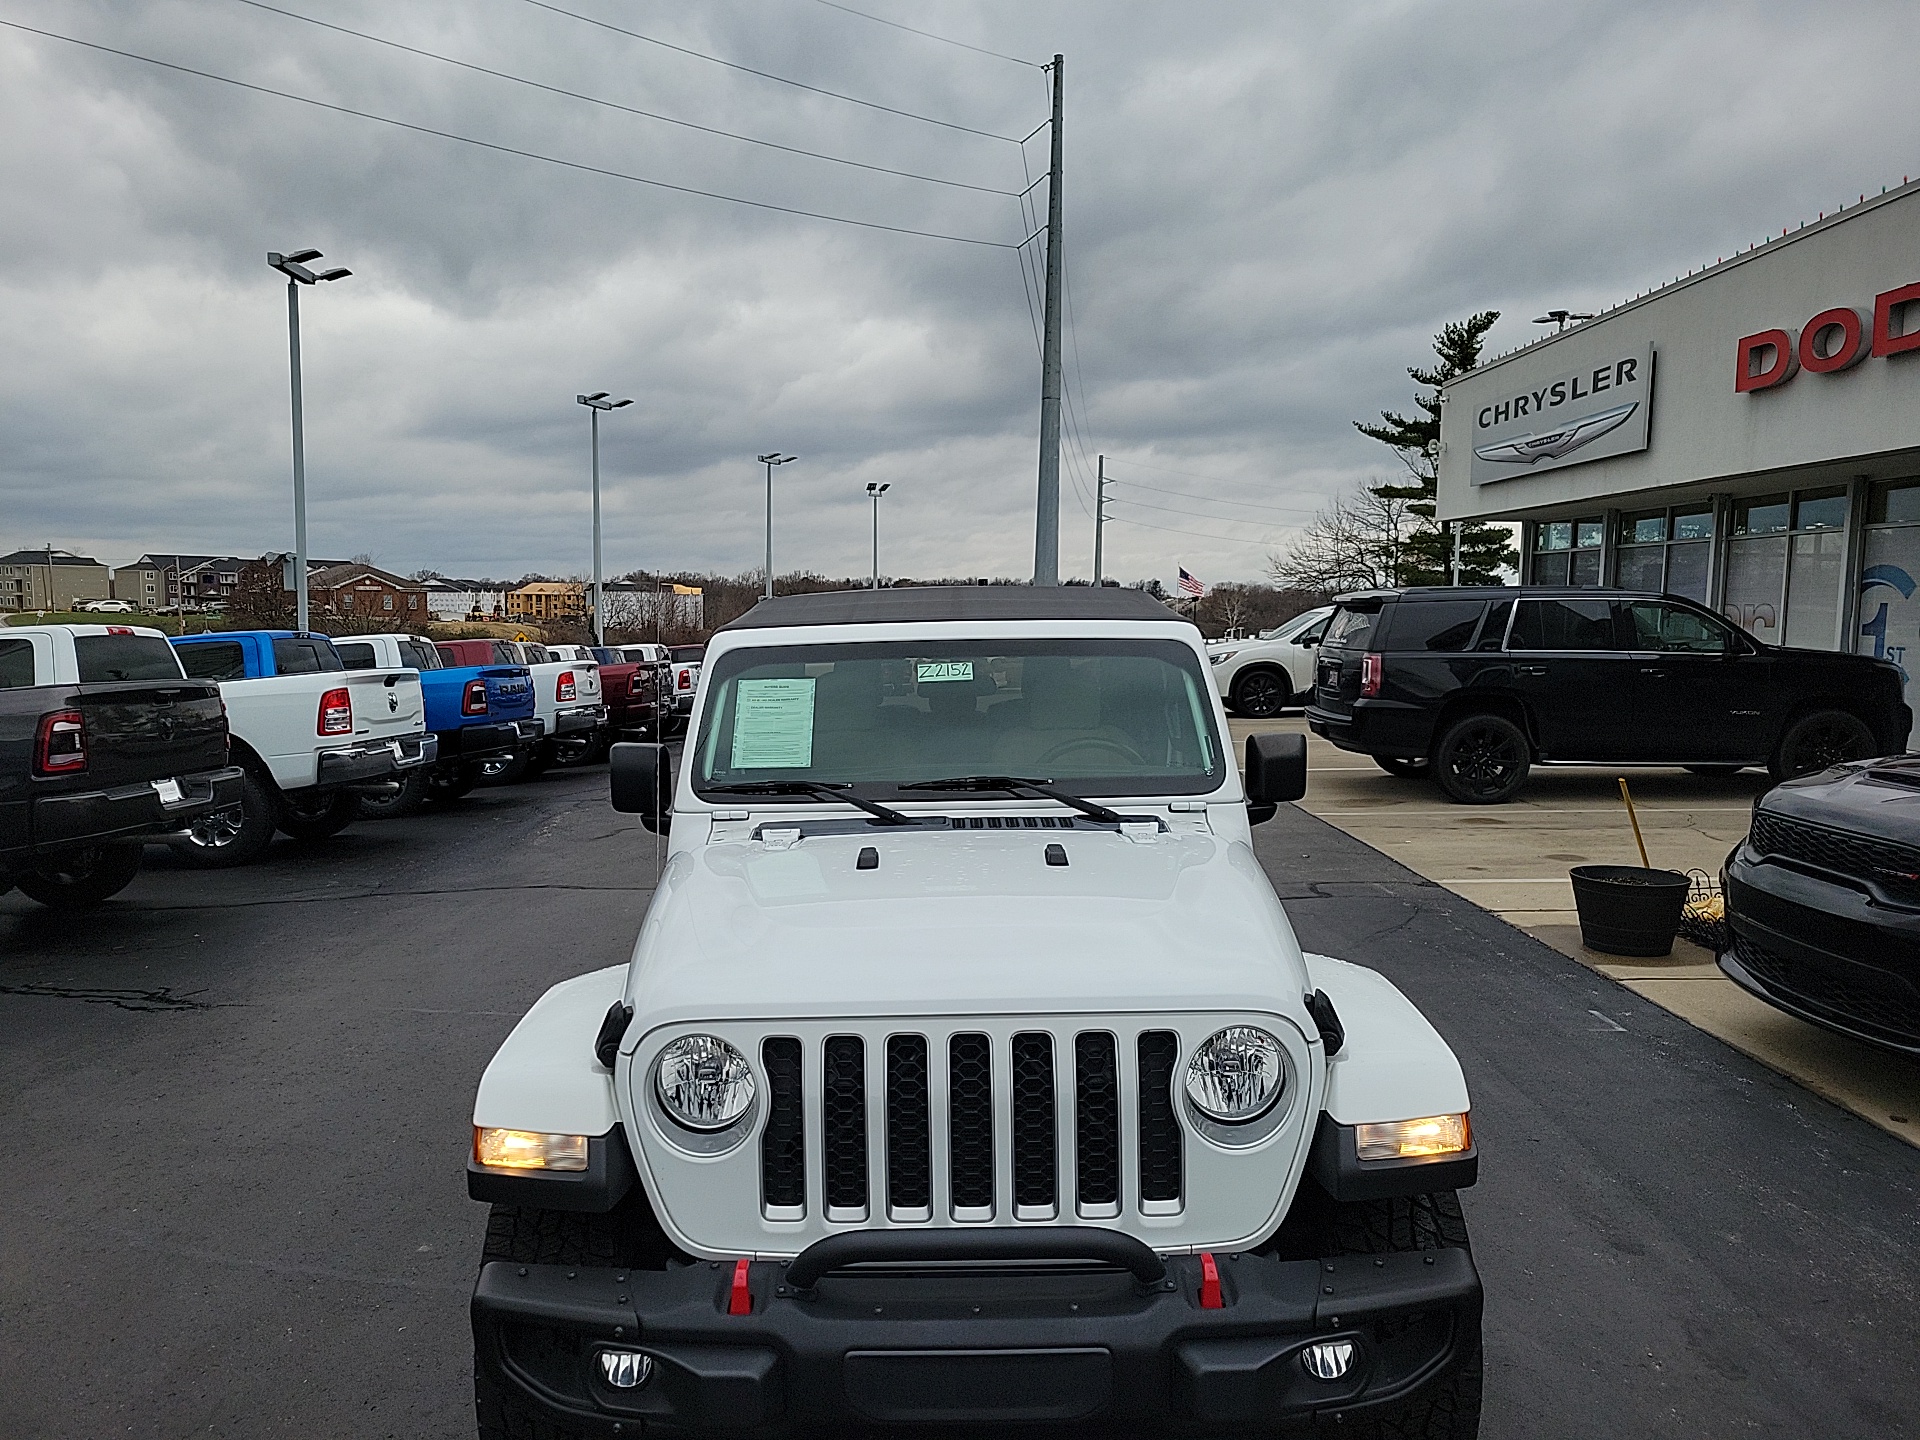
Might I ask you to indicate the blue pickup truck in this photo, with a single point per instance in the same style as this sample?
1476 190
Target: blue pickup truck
480 712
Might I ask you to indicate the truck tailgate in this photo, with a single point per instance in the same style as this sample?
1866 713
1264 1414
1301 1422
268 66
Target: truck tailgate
386 703
149 730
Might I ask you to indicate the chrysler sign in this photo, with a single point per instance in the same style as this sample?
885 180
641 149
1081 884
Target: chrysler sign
1587 414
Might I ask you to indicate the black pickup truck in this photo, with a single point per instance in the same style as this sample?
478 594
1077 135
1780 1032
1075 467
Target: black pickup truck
104 744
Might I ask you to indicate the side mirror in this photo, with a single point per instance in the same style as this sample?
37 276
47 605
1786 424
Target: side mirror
1308 639
1276 771
642 782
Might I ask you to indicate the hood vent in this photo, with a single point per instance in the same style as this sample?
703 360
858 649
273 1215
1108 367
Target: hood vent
1012 822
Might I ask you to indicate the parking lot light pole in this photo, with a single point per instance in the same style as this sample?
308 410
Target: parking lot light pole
771 460
595 403
875 492
294 267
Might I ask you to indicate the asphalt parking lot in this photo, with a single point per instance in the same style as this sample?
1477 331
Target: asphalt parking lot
238 1107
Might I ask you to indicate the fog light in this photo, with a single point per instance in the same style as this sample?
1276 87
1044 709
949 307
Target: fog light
629 1369
1411 1139
1325 1359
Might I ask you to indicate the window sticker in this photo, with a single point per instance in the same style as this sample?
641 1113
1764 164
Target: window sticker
929 671
773 725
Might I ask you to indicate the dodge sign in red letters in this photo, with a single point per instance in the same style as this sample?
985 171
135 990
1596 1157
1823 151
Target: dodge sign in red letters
1832 341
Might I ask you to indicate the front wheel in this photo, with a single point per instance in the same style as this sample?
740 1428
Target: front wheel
1261 694
1401 769
314 814
82 877
1448 1408
1820 741
1482 760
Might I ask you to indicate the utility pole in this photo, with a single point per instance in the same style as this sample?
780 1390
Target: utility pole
1046 529
874 492
1099 523
294 267
770 460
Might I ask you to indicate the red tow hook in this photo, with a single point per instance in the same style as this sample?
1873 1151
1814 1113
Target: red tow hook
1210 1296
740 1299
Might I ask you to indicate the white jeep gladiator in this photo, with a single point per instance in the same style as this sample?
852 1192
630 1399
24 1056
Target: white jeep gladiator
967 1076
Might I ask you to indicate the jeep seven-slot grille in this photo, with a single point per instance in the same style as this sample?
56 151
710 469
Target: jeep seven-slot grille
1023 1076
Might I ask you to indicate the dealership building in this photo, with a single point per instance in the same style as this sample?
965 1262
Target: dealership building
1748 436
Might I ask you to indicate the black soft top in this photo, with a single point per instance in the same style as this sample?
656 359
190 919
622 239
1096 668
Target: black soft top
923 603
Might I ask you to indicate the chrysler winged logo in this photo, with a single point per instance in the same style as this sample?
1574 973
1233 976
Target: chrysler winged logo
1552 444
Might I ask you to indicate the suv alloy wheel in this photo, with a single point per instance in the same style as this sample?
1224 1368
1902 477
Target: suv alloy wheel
1261 694
1482 760
1820 741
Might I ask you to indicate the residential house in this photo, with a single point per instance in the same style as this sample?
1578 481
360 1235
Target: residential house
51 579
358 589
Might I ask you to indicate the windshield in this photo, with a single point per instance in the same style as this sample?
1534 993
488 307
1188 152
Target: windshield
1119 717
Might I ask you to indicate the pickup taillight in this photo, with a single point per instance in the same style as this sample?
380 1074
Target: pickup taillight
686 680
563 688
474 701
336 713
1372 666
61 746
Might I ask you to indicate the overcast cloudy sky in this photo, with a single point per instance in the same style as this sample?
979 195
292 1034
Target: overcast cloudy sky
1270 209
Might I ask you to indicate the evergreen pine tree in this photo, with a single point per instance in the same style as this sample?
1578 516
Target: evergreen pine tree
1428 556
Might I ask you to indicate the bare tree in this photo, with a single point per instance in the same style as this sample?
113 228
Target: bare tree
1359 543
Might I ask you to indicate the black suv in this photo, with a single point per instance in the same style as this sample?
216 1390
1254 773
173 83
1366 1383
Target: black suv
1475 685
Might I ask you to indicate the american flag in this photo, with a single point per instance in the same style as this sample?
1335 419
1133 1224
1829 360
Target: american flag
1190 585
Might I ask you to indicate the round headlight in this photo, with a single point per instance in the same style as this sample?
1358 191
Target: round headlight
703 1082
1236 1075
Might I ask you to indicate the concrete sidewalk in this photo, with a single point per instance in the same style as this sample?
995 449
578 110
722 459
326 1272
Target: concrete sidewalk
1513 860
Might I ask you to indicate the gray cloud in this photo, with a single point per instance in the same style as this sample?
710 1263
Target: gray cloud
1270 210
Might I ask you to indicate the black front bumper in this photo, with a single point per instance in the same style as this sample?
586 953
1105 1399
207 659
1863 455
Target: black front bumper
1078 1350
126 811
1829 952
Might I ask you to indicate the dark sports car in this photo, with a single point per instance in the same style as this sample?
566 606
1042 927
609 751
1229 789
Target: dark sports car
1823 901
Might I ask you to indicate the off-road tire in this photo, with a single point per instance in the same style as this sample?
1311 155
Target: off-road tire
1449 1409
1481 760
81 877
591 754
1402 769
237 835
1260 694
307 817
444 788
407 800
1818 741
628 1236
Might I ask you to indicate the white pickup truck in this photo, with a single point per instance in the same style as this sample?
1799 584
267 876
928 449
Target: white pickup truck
308 733
967 1077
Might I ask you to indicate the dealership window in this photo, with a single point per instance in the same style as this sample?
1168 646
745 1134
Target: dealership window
1567 552
1890 568
1666 550
1785 561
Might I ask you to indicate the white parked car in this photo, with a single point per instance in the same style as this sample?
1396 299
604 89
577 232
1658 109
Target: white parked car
967 1074
1260 676
104 607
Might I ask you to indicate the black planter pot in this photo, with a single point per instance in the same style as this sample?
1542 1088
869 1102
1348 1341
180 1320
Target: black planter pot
1627 910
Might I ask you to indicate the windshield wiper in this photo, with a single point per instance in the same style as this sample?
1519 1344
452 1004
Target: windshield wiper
819 789
1013 785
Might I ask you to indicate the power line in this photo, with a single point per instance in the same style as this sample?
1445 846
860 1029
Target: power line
616 105
1190 474
1203 499
1192 515
768 74
1198 535
505 149
944 40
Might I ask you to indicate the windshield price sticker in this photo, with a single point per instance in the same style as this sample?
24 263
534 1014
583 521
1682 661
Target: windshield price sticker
929 671
773 725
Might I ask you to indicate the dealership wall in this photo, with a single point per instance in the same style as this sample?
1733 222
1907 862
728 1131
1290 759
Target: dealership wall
1793 508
